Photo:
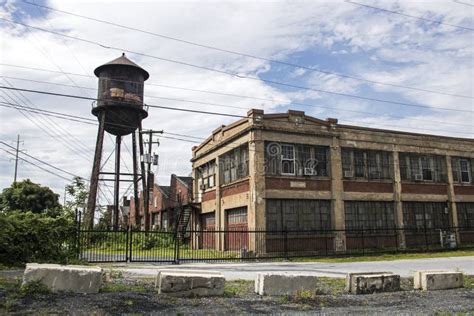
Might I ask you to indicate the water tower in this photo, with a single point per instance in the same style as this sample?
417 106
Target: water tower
120 111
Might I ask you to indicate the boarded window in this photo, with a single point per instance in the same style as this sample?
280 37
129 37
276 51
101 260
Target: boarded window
237 216
298 214
207 175
429 215
369 215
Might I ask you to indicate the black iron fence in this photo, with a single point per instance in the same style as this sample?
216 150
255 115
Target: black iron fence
240 245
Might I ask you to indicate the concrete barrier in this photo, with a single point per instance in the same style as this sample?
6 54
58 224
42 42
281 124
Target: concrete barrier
437 280
64 278
190 283
284 284
351 284
157 279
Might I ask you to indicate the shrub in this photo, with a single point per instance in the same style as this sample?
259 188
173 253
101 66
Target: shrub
31 237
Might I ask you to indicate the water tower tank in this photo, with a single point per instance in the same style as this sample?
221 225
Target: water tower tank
120 95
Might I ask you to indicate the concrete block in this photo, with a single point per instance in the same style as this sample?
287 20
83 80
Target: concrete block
437 280
375 283
190 283
188 271
66 278
284 284
351 284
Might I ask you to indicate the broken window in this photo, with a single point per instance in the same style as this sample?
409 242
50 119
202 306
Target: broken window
366 164
234 165
294 215
369 215
465 215
207 175
429 215
415 167
296 159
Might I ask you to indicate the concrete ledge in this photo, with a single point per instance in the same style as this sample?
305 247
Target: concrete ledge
284 284
351 282
65 278
187 271
437 280
358 283
190 283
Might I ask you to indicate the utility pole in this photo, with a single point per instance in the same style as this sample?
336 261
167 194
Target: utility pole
150 177
16 157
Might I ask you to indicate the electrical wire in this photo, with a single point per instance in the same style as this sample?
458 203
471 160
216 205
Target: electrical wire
235 75
272 100
243 54
410 16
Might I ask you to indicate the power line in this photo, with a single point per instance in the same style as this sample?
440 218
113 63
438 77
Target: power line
410 16
93 99
245 54
42 161
37 166
273 100
236 75
212 113
468 4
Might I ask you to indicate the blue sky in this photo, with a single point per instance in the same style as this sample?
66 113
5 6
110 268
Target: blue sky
332 36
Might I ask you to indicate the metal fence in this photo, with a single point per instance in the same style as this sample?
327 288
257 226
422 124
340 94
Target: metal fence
243 245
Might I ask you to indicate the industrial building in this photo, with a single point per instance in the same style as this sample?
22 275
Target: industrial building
293 172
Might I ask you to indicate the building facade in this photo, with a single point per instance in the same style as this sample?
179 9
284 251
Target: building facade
290 171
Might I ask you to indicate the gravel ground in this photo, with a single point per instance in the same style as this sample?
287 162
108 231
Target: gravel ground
136 297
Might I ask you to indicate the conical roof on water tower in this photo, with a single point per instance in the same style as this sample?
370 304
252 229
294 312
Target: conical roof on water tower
123 61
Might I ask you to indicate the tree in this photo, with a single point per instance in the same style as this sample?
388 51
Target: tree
78 191
27 196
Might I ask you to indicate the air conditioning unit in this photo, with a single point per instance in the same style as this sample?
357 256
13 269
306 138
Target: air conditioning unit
348 174
418 177
202 187
310 172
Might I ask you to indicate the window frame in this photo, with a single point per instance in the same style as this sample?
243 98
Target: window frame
291 160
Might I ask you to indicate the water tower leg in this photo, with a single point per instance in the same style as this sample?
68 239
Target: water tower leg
91 200
118 140
135 180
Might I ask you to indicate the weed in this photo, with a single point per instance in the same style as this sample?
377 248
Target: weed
238 288
34 288
122 287
469 282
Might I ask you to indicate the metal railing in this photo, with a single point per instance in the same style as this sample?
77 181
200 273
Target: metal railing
243 245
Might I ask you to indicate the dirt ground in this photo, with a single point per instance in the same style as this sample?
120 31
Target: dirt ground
120 297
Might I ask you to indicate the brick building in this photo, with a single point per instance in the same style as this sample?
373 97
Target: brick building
290 171
168 205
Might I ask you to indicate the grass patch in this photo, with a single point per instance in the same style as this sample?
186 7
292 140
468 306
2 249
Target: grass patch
122 287
239 288
389 257
469 281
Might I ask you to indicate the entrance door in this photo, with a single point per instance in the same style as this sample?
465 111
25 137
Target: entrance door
236 236
208 224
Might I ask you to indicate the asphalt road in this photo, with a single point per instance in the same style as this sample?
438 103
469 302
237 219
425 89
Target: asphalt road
249 270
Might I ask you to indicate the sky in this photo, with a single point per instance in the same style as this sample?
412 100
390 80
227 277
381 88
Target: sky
321 47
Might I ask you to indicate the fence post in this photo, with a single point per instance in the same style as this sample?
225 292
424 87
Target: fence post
285 243
176 250
363 242
127 257
396 239
130 243
78 235
426 238
325 242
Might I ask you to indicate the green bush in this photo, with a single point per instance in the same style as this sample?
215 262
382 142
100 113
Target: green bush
31 237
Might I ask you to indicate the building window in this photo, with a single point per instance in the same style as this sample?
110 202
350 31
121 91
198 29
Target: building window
294 215
465 215
234 164
414 167
369 215
287 159
425 215
207 175
463 169
296 160
237 216
366 164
